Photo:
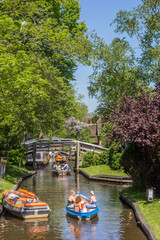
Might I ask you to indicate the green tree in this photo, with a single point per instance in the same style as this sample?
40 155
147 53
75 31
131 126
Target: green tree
41 43
143 22
117 67
114 72
81 109
137 123
50 29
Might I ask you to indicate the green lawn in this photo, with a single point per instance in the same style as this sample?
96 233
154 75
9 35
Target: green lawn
5 185
103 169
150 211
12 176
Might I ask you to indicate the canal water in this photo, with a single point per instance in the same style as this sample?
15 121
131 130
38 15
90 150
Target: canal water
114 221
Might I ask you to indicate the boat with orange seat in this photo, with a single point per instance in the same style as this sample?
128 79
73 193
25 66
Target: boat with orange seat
60 158
24 204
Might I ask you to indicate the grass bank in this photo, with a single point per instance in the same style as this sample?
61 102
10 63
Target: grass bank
103 169
12 175
150 211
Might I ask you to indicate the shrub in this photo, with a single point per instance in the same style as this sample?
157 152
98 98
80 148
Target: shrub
104 157
95 160
87 159
116 160
132 160
115 155
91 159
15 155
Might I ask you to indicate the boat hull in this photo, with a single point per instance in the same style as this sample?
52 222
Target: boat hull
24 204
61 173
26 212
90 214
81 215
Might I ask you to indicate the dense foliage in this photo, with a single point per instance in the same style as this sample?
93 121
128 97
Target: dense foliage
119 68
16 156
143 23
119 73
114 72
41 43
91 159
137 122
110 157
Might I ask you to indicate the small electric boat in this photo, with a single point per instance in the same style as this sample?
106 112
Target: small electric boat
24 204
85 214
61 172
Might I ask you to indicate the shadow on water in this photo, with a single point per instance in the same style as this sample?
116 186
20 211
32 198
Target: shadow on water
114 221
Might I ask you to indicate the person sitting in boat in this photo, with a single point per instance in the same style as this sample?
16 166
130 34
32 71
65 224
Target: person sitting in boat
58 167
54 166
50 154
77 204
71 198
55 153
93 202
65 167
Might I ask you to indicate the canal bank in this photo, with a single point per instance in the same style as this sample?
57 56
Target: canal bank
18 183
114 221
107 178
141 222
24 176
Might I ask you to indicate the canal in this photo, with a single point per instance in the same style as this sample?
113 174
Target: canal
114 221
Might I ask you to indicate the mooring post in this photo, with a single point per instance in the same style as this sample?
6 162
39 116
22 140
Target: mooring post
34 155
77 157
93 150
70 152
48 150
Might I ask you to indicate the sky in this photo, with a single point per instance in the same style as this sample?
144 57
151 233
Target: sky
98 15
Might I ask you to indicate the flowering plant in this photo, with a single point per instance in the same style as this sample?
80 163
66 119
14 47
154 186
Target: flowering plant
77 129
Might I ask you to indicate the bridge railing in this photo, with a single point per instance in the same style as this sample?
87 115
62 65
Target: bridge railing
74 147
44 145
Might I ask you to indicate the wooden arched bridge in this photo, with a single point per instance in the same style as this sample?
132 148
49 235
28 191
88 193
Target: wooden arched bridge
36 148
73 148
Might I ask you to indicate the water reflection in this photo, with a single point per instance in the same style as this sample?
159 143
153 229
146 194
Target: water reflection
75 228
80 228
77 182
34 183
14 228
37 228
127 223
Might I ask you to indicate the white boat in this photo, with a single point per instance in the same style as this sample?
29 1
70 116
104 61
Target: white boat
24 204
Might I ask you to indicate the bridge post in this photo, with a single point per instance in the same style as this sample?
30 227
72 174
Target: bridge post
70 152
77 156
34 155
